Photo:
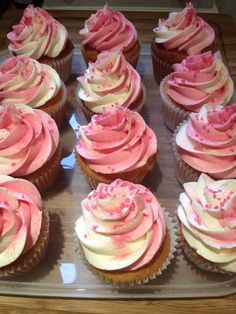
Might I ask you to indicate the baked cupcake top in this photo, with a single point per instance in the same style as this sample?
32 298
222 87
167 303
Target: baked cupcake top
25 81
198 80
207 141
208 218
38 34
28 139
122 226
109 82
184 31
108 30
117 141
20 218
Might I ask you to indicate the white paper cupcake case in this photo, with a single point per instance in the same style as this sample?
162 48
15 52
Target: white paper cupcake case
89 113
172 227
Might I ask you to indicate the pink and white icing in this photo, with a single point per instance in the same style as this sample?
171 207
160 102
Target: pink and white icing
117 141
184 31
20 218
207 141
28 139
208 218
122 226
108 30
109 82
25 81
38 34
198 80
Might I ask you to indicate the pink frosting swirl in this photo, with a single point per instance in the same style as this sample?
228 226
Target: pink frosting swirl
28 139
122 226
109 82
118 141
184 31
198 80
25 81
207 142
208 217
38 34
108 30
20 218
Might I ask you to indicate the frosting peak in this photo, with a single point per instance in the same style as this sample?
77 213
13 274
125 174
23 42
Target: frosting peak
117 141
122 226
184 31
38 34
109 82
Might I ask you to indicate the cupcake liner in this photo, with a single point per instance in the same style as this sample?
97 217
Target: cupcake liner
172 237
135 176
199 261
89 113
57 110
45 177
160 68
26 262
184 173
62 65
172 114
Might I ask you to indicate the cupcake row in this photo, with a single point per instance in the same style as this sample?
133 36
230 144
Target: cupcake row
125 234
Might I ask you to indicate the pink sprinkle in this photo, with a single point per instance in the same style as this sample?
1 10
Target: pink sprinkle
13 164
94 227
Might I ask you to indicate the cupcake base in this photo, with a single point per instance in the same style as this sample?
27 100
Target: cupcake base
45 177
131 54
26 262
137 105
62 63
94 178
56 106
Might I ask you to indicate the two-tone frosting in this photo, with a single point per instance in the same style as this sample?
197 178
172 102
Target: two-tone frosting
108 30
200 79
109 82
207 141
184 31
116 141
20 218
208 218
28 139
38 34
25 81
122 226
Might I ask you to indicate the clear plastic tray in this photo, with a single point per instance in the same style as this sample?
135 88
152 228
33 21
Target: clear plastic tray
63 273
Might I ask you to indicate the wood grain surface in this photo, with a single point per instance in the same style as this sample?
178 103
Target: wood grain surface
144 22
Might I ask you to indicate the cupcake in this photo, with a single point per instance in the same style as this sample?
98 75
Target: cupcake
116 144
109 30
108 83
207 215
199 79
29 145
207 143
24 228
123 234
25 81
182 34
41 37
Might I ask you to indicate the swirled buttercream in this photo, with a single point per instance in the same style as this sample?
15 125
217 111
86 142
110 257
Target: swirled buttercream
122 226
108 30
207 141
38 34
25 81
117 141
184 31
28 139
208 218
109 82
20 218
198 80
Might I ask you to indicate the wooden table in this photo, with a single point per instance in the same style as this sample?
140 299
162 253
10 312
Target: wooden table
144 22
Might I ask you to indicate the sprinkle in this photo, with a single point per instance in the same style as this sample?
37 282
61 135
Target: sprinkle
13 164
